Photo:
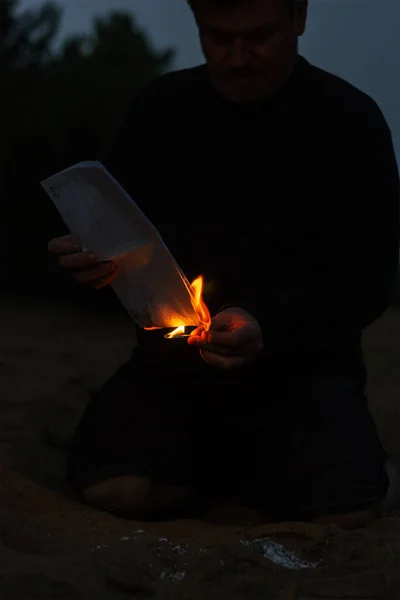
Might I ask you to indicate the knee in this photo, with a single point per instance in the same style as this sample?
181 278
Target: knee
391 501
136 498
353 520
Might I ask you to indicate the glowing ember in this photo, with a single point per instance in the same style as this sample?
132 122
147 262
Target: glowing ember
200 307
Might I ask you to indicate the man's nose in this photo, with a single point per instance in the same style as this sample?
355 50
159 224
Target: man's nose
239 54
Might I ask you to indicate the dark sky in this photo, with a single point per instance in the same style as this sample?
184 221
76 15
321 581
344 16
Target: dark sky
356 39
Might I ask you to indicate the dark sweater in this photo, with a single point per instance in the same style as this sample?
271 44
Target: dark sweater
291 208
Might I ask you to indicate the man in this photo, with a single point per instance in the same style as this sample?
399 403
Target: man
278 182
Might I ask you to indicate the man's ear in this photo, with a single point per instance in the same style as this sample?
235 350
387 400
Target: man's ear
300 12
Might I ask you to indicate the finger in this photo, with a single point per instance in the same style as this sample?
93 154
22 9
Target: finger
246 351
197 332
231 339
91 275
225 363
81 260
101 282
197 338
222 321
64 245
221 350
238 337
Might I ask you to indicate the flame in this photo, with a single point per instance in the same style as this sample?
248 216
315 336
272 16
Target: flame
200 307
178 331
196 297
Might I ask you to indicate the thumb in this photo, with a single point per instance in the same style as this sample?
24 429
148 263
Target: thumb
221 321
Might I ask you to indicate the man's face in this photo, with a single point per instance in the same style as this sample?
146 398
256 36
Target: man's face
251 48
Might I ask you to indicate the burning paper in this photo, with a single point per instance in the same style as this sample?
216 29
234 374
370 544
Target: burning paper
200 307
105 220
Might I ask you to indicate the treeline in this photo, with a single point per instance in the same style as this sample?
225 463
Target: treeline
59 106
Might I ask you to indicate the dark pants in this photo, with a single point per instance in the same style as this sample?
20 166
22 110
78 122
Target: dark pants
283 439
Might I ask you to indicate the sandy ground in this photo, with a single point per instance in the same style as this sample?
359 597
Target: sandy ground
53 547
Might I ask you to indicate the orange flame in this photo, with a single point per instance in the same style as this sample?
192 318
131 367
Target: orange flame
179 331
200 307
196 297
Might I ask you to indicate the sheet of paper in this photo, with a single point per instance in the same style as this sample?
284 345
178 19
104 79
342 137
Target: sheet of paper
105 219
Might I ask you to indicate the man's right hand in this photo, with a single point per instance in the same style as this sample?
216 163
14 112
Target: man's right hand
84 266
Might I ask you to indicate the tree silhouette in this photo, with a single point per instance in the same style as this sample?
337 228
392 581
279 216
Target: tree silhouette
27 39
59 107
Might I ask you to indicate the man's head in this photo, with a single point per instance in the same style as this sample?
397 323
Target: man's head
250 45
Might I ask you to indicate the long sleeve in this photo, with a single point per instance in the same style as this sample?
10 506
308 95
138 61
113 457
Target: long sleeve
360 251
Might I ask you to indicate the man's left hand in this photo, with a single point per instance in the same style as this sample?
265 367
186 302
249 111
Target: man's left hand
233 340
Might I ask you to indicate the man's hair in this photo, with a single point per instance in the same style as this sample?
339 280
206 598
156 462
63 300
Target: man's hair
223 3
229 3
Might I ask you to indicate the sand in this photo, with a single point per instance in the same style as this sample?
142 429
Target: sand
53 547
